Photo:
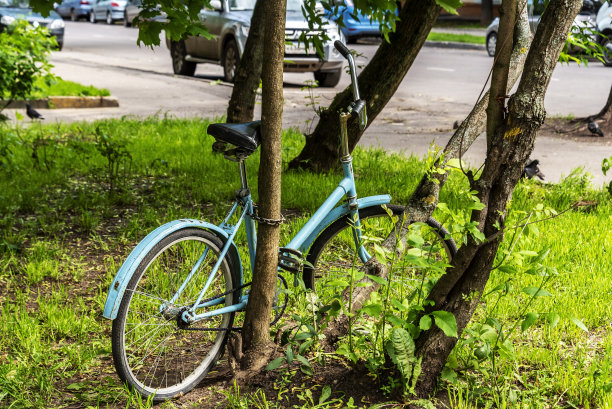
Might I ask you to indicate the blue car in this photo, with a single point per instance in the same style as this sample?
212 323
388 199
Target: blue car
74 9
353 28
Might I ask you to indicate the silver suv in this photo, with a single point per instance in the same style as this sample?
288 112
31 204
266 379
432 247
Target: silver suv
229 20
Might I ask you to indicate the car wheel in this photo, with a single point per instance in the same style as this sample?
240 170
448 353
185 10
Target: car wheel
606 43
60 46
491 44
231 59
178 52
73 16
92 17
109 18
126 23
351 40
328 78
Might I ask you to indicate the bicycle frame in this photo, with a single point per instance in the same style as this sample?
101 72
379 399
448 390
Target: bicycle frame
326 214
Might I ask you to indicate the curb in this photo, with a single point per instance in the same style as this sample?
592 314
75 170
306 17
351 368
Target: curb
451 44
68 102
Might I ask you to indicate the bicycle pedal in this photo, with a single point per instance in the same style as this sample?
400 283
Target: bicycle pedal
290 259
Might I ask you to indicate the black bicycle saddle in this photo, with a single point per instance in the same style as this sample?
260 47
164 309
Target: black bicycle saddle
244 135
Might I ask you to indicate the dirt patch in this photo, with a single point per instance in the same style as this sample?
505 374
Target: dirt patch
576 130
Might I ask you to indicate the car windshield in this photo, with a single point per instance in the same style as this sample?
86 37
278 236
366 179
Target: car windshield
237 5
14 3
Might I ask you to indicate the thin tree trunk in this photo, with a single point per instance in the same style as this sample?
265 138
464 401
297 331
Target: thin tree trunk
459 291
606 111
256 336
424 199
246 83
377 82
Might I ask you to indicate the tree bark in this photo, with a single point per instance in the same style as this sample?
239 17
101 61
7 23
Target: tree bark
606 111
459 290
255 332
377 82
424 199
246 83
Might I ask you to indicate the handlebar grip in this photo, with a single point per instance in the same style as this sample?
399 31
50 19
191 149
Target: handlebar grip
342 49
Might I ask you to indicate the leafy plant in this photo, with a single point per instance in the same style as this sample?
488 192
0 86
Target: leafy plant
23 60
118 158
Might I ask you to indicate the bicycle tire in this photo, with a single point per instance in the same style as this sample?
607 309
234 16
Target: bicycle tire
339 248
151 352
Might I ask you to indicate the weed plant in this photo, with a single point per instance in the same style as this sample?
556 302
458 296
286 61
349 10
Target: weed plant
541 336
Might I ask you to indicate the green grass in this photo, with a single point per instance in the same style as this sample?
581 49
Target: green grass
64 234
63 88
456 38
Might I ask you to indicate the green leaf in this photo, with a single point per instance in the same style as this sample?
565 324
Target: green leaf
446 322
303 335
289 354
530 318
325 394
373 310
536 292
553 319
579 324
425 322
304 346
397 304
18 116
337 283
275 363
400 347
377 279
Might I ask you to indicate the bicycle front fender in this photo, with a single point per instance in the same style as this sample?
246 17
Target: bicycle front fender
342 211
125 273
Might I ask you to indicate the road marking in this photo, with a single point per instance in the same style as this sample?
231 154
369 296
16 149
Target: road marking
441 69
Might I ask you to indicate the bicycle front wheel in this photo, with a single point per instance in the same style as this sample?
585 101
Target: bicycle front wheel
154 351
333 253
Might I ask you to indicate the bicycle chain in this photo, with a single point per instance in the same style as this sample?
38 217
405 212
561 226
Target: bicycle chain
269 222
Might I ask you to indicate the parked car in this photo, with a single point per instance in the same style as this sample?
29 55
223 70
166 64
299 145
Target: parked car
107 10
229 22
132 9
354 28
11 10
604 27
585 18
74 9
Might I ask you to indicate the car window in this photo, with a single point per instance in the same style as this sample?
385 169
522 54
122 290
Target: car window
237 5
14 3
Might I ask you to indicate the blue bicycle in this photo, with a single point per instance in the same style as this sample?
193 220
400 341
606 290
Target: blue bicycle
174 299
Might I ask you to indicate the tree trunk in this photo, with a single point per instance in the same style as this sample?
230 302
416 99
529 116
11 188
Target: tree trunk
460 289
246 83
486 12
424 199
256 336
377 82
606 111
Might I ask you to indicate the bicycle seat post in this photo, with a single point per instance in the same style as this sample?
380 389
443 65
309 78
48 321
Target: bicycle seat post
243 175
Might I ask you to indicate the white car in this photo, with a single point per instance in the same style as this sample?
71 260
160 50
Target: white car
604 27
229 22
107 10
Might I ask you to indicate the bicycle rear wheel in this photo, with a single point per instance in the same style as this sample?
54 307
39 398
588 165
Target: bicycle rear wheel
154 351
333 253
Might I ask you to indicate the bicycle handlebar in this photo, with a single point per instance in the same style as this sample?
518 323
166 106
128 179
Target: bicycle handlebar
358 106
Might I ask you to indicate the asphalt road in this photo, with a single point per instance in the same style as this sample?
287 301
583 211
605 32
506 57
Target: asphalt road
441 88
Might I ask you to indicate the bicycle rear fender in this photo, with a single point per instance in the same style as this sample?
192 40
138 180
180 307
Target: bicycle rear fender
124 275
342 211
